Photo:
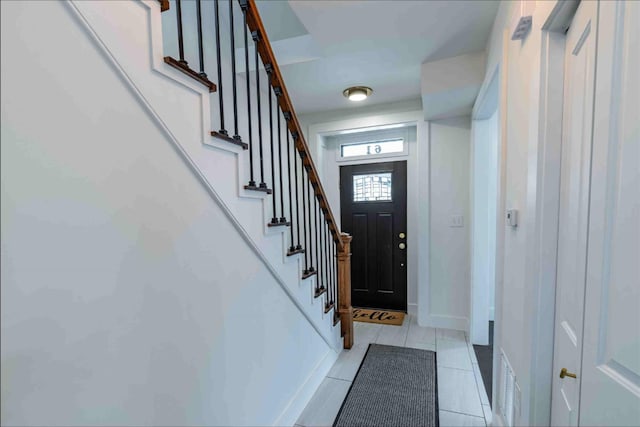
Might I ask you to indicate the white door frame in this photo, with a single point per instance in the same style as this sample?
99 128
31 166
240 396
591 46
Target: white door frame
417 193
498 75
544 197
486 104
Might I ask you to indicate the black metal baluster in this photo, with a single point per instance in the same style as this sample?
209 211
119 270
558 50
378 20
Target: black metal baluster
330 266
180 40
319 283
236 134
310 245
295 169
283 218
334 275
274 219
321 254
317 230
256 38
332 248
244 6
288 146
327 262
200 44
304 220
222 130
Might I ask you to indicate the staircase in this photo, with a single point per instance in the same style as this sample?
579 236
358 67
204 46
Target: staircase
145 279
224 47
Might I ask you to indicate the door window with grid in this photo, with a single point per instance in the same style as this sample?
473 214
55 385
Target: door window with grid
372 187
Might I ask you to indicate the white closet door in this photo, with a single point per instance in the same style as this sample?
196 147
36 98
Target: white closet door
580 51
610 392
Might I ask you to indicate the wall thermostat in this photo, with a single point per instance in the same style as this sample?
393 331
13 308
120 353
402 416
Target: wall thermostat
512 217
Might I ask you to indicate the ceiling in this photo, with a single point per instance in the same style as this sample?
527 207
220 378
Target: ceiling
323 47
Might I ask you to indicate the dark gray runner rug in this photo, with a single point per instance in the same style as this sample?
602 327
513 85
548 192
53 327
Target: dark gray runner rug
395 386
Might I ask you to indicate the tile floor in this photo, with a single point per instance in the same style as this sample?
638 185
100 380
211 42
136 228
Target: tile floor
462 399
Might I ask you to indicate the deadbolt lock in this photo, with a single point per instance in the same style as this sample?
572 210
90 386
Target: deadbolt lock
565 373
402 235
402 246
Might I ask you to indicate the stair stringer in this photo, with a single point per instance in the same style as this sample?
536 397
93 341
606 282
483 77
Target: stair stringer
181 108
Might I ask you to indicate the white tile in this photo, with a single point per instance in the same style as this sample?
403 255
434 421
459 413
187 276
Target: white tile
457 392
393 335
421 345
453 354
453 419
348 363
365 333
488 415
450 334
325 403
420 334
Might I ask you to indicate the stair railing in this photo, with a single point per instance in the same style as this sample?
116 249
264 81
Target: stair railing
285 160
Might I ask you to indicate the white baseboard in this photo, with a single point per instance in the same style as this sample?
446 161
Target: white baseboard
301 398
448 322
412 309
496 420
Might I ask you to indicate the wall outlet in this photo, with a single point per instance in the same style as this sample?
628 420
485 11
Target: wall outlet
456 221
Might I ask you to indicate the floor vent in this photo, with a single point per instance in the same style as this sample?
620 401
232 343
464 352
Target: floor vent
508 392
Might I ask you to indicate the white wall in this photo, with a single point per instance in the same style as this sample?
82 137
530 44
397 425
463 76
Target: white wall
484 181
524 300
128 295
359 111
492 196
449 246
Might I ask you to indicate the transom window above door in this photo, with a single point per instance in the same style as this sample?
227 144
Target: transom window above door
372 187
373 148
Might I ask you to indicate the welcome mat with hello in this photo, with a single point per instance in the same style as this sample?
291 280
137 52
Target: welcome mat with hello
378 316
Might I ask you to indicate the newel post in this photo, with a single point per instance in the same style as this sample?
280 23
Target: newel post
344 290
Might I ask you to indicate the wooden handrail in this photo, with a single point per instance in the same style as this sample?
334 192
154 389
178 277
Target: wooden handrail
266 54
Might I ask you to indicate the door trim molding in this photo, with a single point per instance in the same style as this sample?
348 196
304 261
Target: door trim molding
449 322
418 193
544 197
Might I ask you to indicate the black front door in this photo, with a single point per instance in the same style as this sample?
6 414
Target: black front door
373 205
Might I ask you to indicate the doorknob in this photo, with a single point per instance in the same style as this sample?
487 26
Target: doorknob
402 246
565 373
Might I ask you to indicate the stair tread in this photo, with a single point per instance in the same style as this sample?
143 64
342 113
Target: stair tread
279 224
309 274
260 189
191 73
230 139
295 252
328 307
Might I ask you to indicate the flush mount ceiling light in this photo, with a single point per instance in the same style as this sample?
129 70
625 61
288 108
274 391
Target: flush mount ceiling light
357 93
